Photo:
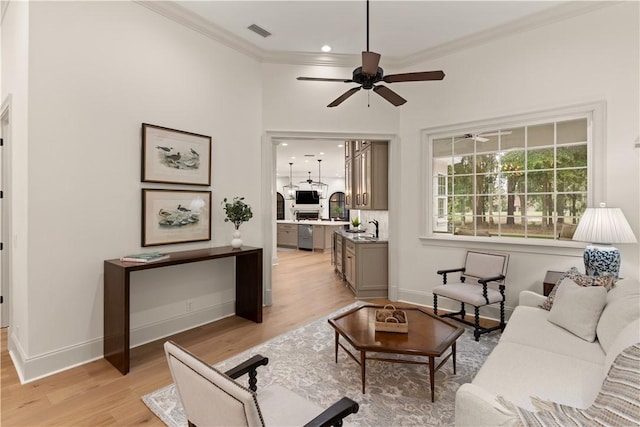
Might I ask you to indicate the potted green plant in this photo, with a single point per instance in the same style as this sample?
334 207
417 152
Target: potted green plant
236 212
355 222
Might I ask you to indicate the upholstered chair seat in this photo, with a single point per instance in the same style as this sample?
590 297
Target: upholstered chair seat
213 398
481 282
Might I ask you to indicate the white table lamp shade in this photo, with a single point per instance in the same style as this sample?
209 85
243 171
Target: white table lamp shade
603 226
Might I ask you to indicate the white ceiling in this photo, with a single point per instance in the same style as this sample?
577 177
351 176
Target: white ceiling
397 28
404 32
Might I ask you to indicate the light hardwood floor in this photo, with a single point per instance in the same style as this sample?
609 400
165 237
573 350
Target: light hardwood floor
304 289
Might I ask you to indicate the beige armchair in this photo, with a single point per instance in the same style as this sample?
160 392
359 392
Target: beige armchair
214 398
482 282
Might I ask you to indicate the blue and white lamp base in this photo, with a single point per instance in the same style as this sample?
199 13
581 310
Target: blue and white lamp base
601 259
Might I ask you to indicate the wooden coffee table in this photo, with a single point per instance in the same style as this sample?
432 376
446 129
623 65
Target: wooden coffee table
428 336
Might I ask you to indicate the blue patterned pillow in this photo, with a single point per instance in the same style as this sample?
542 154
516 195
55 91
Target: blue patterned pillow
606 280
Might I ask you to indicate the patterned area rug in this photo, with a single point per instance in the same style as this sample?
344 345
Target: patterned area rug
396 394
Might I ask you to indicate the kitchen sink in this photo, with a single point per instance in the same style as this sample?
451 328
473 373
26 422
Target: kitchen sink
366 238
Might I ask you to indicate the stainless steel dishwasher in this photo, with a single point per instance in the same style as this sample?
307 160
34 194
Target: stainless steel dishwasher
305 236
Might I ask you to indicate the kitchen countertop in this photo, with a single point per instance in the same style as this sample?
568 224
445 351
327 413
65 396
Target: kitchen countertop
361 237
313 222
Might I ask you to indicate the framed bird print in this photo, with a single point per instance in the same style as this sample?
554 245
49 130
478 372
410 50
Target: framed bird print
173 156
175 216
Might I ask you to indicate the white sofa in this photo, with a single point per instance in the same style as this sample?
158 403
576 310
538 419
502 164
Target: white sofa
536 358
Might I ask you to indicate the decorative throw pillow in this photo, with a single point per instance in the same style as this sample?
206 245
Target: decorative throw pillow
606 280
577 308
617 403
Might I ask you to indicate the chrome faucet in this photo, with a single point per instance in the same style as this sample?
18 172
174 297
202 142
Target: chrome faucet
375 222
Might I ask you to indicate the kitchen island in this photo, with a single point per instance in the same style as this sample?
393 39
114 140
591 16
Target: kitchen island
362 261
313 235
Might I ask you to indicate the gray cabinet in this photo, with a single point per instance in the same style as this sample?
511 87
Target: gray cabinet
287 235
366 176
364 266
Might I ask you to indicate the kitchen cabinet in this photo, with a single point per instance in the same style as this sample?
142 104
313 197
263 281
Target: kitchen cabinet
364 266
322 236
337 254
366 176
287 235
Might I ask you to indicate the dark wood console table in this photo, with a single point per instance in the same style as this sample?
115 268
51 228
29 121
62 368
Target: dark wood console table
116 293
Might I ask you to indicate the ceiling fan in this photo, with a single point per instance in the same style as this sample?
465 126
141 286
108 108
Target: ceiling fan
311 181
482 137
308 180
369 75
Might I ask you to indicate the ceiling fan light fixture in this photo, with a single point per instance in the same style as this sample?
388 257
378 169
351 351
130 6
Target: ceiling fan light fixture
367 75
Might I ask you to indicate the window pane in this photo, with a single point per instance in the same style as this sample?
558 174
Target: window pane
463 145
513 140
572 180
491 143
572 131
540 159
442 147
462 165
539 205
486 163
463 184
572 204
540 227
540 135
571 156
540 182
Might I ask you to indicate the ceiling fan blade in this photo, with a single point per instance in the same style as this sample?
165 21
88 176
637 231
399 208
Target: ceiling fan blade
370 61
322 79
414 77
389 95
344 96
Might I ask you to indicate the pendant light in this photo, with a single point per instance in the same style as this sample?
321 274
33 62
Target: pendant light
290 190
319 186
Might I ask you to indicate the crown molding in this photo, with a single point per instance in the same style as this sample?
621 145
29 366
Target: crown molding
549 16
172 10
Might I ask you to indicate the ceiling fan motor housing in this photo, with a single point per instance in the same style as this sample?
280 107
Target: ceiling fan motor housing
365 80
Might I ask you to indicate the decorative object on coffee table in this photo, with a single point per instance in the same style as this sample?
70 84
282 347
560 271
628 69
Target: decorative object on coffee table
601 227
390 319
236 212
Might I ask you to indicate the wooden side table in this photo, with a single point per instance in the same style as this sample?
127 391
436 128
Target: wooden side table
550 280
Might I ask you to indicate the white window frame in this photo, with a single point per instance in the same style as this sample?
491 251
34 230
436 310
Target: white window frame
595 113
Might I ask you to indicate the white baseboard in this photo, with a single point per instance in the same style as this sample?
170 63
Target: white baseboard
33 368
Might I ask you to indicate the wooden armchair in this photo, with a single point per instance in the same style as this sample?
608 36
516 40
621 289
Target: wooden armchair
214 398
482 282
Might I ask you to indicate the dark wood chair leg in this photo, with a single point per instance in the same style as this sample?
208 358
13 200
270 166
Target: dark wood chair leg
435 304
476 332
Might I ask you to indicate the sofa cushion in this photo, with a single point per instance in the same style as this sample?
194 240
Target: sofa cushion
519 372
529 326
578 308
606 280
617 314
628 336
617 403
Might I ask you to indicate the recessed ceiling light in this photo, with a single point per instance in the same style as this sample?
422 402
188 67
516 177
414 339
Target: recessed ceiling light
326 48
321 153
340 145
284 144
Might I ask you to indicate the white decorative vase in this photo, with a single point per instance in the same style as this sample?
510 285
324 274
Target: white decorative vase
236 242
